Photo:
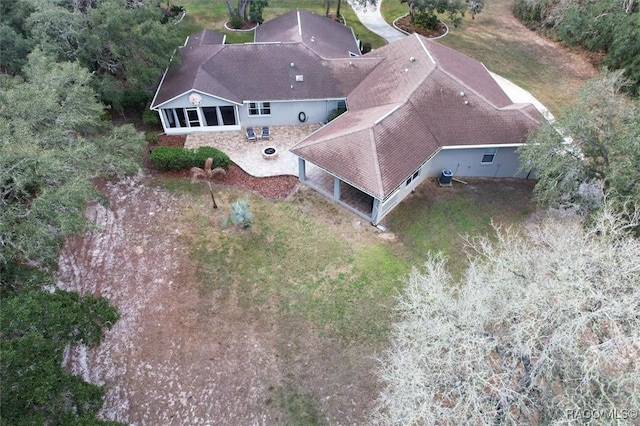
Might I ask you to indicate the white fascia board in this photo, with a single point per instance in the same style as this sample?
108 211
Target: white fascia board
495 145
157 90
294 100
196 91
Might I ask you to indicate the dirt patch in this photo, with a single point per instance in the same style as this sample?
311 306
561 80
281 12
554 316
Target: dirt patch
185 355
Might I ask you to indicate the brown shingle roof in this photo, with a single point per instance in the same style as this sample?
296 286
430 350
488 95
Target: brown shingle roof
420 97
327 38
260 72
205 38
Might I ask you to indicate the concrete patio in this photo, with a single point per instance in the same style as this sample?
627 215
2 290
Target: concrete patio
248 154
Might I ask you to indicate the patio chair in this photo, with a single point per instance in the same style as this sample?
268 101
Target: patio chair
251 135
265 132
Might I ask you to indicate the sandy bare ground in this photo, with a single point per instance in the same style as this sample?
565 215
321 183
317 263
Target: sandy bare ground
160 364
179 356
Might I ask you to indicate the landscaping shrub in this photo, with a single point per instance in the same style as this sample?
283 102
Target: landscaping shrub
241 214
151 138
150 117
173 158
236 21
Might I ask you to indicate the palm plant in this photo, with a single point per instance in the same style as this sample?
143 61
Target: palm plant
207 174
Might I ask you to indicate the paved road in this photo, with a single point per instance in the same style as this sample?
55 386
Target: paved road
371 18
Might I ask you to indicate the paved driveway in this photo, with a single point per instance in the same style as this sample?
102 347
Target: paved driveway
372 19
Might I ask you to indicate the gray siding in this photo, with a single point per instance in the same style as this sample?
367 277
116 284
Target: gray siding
468 162
286 113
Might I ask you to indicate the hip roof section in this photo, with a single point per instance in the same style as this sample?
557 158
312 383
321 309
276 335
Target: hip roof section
326 37
419 98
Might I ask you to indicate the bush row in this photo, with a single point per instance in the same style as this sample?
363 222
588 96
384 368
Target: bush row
172 158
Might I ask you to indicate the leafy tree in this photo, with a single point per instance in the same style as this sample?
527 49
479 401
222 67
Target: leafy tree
255 10
126 44
592 150
242 9
54 144
36 328
608 27
543 325
128 47
423 13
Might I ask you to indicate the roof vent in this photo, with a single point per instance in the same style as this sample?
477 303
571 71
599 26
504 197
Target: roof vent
299 77
462 94
293 65
406 70
313 39
412 59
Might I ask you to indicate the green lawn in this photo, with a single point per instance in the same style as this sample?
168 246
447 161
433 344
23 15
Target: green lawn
552 74
212 14
292 267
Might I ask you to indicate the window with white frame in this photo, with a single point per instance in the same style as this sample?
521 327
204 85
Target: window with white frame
259 108
413 177
489 155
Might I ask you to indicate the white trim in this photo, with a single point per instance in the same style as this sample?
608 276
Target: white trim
388 114
194 91
299 23
260 107
426 50
157 90
497 145
189 130
493 155
283 101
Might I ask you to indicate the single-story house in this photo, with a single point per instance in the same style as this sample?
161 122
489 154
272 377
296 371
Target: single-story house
298 69
414 107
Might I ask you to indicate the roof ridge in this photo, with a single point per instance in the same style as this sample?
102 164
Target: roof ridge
426 50
376 160
472 90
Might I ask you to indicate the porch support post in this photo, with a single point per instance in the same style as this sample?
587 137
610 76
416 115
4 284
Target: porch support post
302 173
336 188
163 119
375 210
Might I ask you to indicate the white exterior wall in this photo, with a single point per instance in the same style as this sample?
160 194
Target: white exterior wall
286 113
467 162
282 113
400 193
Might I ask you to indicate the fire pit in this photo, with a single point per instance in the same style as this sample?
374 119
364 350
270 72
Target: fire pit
269 153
